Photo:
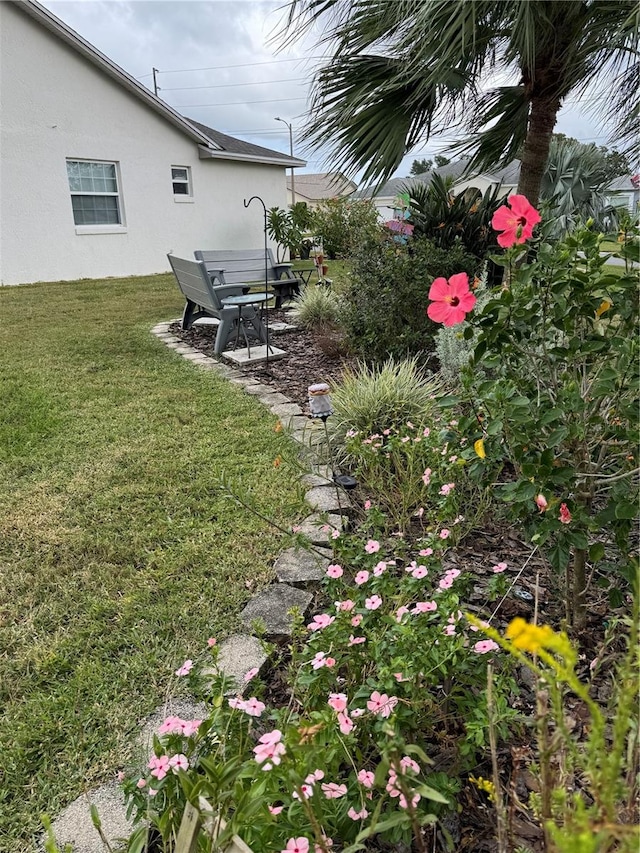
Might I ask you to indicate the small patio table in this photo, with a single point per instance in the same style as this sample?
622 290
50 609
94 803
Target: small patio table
252 299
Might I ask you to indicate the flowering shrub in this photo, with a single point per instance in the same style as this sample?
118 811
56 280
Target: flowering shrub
553 392
348 757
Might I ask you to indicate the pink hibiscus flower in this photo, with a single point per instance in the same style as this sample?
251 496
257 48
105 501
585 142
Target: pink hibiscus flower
565 515
451 300
516 221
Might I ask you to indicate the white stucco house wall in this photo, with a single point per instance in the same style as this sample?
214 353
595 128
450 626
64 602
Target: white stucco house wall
98 176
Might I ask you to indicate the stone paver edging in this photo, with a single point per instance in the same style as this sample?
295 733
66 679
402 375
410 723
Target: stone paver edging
297 571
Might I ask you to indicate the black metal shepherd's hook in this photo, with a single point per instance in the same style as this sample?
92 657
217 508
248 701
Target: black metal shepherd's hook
266 266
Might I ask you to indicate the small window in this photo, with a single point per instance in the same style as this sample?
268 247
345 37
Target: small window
181 179
95 197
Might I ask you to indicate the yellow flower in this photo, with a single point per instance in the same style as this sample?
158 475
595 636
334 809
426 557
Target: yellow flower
479 448
484 785
533 638
604 306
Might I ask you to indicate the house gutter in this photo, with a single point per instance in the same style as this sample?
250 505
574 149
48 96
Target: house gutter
218 154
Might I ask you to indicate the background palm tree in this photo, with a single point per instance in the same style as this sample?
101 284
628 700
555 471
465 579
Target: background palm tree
575 182
404 69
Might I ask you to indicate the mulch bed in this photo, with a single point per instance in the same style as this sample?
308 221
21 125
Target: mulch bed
312 359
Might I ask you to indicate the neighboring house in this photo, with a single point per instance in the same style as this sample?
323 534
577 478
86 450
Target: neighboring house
99 176
625 192
387 198
314 189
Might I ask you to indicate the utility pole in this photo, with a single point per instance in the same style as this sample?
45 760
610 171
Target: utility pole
293 180
156 88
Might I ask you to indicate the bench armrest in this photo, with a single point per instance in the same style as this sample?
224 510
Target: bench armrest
215 273
224 290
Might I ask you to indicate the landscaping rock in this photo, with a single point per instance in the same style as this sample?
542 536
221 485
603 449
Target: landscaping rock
272 607
297 566
312 526
273 398
238 654
325 499
74 825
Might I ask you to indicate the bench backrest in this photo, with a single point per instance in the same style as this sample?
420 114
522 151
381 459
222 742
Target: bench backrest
238 265
194 282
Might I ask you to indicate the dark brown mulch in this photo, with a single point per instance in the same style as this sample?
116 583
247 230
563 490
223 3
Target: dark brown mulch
310 358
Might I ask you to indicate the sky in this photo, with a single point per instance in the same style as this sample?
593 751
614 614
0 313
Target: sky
228 65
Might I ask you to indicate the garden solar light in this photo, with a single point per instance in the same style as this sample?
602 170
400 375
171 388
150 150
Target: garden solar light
320 401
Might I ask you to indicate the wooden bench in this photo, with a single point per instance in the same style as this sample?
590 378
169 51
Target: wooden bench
205 300
247 267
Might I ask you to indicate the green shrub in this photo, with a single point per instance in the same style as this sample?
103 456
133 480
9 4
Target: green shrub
386 297
316 308
345 225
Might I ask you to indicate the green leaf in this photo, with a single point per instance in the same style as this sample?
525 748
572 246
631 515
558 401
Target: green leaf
596 552
626 509
431 794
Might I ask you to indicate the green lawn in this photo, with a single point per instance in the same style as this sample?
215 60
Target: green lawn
118 554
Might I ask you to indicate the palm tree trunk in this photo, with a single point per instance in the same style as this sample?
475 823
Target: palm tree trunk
542 119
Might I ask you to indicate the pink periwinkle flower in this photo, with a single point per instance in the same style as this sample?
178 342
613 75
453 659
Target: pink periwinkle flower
322 620
250 673
159 766
186 668
254 707
444 533
237 703
297 845
333 791
415 799
306 790
335 571
450 630
179 762
361 577
356 641
337 701
380 568
425 552
446 582
400 677
275 810
400 612
319 660
367 504
357 712
381 704
426 477
335 534
329 662
453 573
425 607
141 783
482 647
269 749
172 725
345 723
372 546
363 814
373 602
357 620
190 727
211 642
447 488
366 778
499 567
419 572
347 605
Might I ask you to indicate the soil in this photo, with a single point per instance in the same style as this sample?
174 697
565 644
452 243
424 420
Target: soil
312 359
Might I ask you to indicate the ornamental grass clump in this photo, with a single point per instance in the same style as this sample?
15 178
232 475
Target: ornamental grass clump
316 308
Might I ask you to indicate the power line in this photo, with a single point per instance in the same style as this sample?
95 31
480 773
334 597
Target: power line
235 103
242 65
231 85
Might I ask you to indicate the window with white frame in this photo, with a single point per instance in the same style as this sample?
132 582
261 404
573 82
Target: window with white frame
181 180
95 197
